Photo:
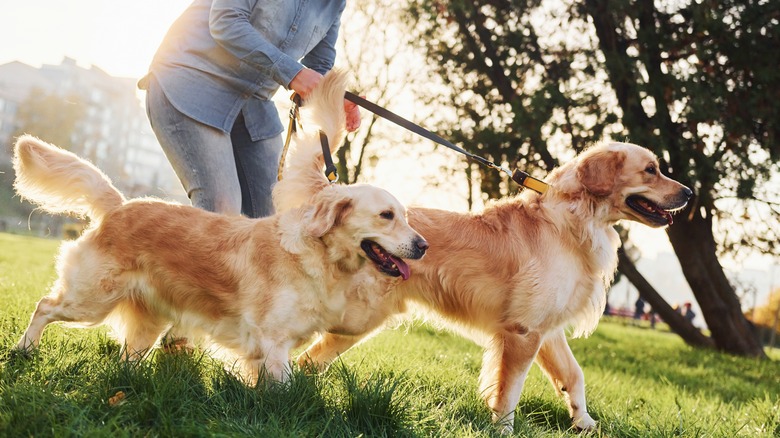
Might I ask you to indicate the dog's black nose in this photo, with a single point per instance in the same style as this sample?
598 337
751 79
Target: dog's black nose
687 192
422 245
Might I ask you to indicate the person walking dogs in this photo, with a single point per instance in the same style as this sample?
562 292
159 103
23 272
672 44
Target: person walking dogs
209 91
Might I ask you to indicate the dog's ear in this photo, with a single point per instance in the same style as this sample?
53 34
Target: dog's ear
329 210
598 171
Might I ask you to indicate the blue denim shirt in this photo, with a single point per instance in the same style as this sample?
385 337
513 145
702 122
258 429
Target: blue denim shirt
222 57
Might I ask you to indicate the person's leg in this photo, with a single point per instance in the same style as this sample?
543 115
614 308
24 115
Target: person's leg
201 156
257 164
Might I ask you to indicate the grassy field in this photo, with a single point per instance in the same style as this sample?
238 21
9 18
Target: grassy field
415 381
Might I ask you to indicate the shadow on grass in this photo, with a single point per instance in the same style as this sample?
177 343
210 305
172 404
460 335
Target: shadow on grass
375 405
81 388
727 377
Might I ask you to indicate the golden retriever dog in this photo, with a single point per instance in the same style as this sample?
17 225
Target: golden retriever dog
517 276
253 287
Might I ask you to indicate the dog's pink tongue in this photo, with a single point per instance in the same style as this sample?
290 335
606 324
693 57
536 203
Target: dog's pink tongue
403 268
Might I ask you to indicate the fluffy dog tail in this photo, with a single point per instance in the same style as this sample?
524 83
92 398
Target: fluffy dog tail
325 107
303 174
60 182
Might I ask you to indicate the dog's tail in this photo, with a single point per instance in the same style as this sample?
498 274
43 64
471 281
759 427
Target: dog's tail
325 107
60 182
303 174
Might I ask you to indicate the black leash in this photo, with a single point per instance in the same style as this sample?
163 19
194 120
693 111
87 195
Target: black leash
330 168
520 177
292 128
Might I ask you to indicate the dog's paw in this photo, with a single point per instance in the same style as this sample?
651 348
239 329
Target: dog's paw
505 424
505 429
309 365
19 354
585 423
172 345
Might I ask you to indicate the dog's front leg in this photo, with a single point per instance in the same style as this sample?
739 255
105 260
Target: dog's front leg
558 363
277 363
326 349
272 361
338 340
505 365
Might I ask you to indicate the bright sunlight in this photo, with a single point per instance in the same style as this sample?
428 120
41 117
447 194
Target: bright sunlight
118 37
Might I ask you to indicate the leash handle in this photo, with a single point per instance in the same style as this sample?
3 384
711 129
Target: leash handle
292 127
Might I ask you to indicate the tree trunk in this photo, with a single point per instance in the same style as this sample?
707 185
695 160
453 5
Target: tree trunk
694 244
692 240
677 323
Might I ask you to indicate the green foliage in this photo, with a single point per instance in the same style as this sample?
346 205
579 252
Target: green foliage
10 204
517 90
414 381
696 82
53 118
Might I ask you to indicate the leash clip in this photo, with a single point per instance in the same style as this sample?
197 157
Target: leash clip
522 178
527 181
330 168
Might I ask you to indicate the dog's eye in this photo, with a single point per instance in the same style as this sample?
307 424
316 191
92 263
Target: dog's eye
651 169
387 214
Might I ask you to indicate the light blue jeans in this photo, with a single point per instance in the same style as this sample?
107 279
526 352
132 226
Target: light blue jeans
221 172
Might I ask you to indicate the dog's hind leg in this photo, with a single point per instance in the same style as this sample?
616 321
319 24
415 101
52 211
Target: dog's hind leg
63 304
137 328
44 315
558 363
177 341
505 364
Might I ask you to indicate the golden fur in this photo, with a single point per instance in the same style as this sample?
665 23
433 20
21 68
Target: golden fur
516 276
255 287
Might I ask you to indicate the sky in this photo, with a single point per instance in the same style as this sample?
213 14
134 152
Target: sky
121 39
118 37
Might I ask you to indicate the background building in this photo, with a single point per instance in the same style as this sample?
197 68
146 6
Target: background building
113 131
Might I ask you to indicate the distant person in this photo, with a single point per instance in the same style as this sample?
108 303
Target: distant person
688 314
639 308
209 92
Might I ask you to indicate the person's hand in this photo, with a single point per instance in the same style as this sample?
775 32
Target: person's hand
305 81
353 115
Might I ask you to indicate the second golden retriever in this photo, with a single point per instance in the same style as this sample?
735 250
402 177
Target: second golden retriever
517 276
256 287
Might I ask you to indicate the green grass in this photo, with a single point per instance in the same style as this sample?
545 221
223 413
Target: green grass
414 381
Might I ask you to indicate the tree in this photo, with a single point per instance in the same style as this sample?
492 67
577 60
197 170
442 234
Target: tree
687 82
768 316
53 118
383 71
680 81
